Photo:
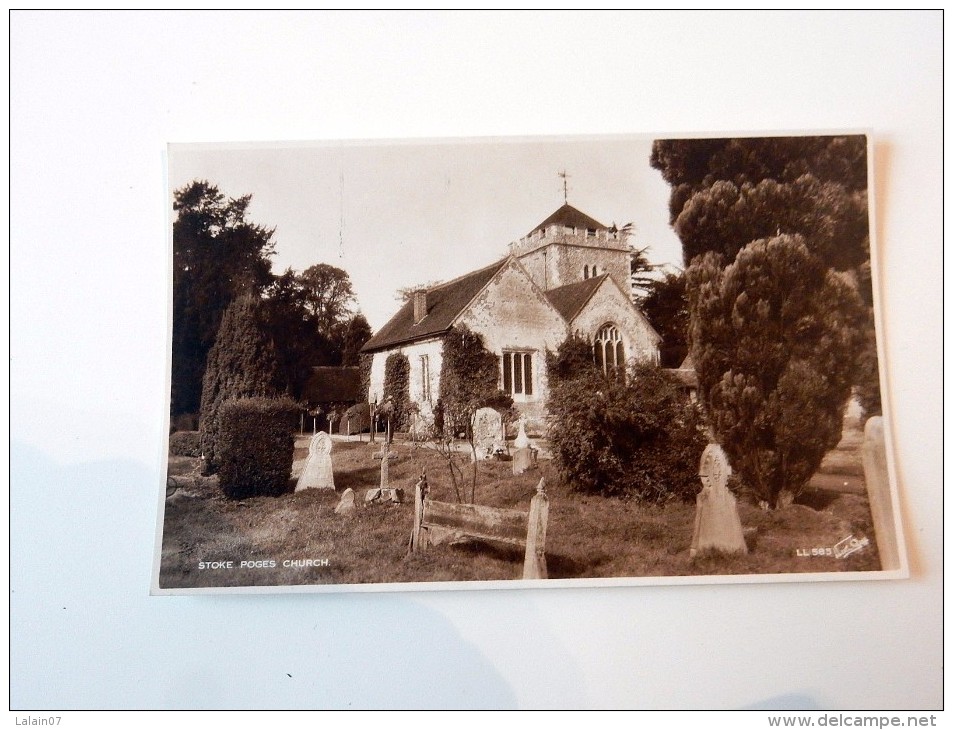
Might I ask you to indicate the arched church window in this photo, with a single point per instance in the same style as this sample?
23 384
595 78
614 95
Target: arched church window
608 349
585 272
594 274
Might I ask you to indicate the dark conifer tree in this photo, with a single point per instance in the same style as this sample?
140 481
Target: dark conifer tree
241 364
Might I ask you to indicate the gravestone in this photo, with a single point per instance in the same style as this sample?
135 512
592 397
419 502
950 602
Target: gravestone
717 525
317 472
877 479
385 462
522 440
522 460
487 429
346 505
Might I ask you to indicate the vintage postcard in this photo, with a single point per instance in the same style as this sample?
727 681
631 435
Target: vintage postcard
525 362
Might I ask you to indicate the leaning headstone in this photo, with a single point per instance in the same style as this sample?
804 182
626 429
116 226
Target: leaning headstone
878 493
717 525
487 426
522 460
346 505
317 472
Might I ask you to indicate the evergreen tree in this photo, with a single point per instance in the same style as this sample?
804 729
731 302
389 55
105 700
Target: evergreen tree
738 203
776 335
357 332
241 364
666 307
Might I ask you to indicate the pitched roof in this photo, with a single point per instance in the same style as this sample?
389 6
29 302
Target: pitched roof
444 303
569 300
332 385
685 373
569 216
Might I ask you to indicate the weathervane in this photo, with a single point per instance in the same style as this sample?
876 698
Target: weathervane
564 176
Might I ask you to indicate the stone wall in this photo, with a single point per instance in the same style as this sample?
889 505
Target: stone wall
432 350
556 265
513 316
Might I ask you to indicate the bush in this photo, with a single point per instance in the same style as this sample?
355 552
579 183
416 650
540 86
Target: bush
359 417
397 389
185 443
256 446
469 380
241 364
776 337
639 437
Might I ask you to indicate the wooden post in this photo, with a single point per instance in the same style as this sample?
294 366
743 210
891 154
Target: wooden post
878 493
385 462
301 430
534 564
373 424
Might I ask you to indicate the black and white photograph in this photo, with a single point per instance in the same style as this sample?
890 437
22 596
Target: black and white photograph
515 362
493 360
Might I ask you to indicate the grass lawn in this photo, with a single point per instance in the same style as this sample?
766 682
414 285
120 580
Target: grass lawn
588 536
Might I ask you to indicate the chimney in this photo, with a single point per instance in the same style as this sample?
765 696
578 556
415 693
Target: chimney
420 305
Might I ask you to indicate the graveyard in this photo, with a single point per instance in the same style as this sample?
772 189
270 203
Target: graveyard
312 536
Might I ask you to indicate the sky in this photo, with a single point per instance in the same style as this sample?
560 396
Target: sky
402 213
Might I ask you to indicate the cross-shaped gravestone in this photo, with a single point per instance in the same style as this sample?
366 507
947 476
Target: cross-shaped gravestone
717 525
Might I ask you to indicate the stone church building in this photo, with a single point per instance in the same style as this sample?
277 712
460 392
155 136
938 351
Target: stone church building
570 274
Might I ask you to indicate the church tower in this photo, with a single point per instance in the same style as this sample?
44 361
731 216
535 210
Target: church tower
569 247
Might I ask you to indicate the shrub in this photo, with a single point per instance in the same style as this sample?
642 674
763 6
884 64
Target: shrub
775 341
185 443
256 446
364 364
638 437
359 417
241 364
469 380
573 359
397 389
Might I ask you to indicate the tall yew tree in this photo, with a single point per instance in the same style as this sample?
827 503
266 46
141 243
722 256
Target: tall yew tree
775 234
241 364
775 337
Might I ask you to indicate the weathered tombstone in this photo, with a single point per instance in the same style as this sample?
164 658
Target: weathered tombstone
522 440
346 505
534 562
487 425
717 525
522 460
878 493
317 472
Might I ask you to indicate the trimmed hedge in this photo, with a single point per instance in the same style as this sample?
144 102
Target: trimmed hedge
256 446
185 443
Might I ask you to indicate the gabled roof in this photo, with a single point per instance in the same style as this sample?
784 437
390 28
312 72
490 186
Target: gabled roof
444 303
569 300
569 216
333 385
